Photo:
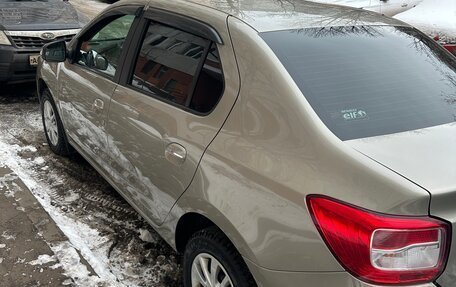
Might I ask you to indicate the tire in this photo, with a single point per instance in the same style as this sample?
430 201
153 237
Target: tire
208 247
53 127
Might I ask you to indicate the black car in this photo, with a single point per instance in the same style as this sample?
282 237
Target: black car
25 26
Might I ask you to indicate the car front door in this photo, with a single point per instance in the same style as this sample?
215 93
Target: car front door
174 99
87 83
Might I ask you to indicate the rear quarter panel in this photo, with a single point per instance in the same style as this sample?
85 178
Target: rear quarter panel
271 153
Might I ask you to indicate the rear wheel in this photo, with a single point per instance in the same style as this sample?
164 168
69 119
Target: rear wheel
53 127
210 260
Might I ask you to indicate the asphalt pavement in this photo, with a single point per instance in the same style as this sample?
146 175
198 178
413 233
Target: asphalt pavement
26 234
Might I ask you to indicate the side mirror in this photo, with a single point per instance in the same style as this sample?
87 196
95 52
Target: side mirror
55 52
97 61
101 63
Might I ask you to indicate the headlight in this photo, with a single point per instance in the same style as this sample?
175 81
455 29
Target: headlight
4 39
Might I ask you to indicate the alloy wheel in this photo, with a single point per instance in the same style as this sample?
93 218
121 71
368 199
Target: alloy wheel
50 121
209 272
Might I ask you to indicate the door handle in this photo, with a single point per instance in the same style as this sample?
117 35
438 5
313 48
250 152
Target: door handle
98 104
176 154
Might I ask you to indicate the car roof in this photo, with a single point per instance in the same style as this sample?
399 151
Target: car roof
274 15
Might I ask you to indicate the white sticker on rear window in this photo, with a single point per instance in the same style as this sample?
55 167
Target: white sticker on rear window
354 114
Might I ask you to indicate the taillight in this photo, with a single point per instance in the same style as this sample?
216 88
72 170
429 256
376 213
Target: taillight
379 248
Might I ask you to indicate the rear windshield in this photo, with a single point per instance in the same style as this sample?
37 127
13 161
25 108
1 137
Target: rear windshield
370 81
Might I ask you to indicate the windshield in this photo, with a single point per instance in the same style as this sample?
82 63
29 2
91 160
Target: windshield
370 81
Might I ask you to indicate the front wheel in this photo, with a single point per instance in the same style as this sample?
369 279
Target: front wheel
53 127
211 260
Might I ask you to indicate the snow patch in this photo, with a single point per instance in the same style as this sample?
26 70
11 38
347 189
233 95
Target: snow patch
71 196
29 148
20 261
146 236
2 246
43 259
71 262
8 235
39 161
5 182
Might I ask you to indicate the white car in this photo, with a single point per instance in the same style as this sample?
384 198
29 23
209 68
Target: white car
386 7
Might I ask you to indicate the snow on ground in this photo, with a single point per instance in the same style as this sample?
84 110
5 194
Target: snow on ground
116 242
433 17
43 259
74 230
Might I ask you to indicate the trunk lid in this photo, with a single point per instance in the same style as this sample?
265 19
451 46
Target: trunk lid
32 16
426 157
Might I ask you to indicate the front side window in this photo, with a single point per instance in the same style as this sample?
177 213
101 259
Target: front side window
102 51
179 67
370 80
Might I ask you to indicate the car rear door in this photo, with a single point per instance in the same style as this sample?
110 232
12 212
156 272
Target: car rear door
172 102
87 82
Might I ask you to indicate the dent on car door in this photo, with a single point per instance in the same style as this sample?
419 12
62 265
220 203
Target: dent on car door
160 121
87 84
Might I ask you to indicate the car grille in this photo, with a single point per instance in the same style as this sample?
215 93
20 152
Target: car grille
36 42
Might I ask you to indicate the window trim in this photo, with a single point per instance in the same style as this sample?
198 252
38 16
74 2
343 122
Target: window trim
199 69
94 27
184 23
131 61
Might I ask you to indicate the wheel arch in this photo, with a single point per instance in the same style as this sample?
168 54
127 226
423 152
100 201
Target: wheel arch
189 224
202 216
41 87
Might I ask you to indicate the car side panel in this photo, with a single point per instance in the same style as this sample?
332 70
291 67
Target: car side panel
272 152
79 91
140 128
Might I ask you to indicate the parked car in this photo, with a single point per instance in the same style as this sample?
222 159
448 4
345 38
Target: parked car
272 143
385 7
451 47
25 26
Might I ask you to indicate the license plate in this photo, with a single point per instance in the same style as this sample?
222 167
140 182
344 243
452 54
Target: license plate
34 60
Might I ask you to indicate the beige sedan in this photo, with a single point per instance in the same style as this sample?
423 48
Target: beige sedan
272 143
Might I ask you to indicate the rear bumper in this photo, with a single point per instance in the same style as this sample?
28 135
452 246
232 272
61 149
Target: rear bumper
271 278
15 66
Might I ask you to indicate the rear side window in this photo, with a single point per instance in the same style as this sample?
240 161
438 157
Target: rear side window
179 67
209 86
370 81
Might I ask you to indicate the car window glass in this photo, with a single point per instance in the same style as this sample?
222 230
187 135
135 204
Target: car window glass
370 81
168 62
209 87
102 51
